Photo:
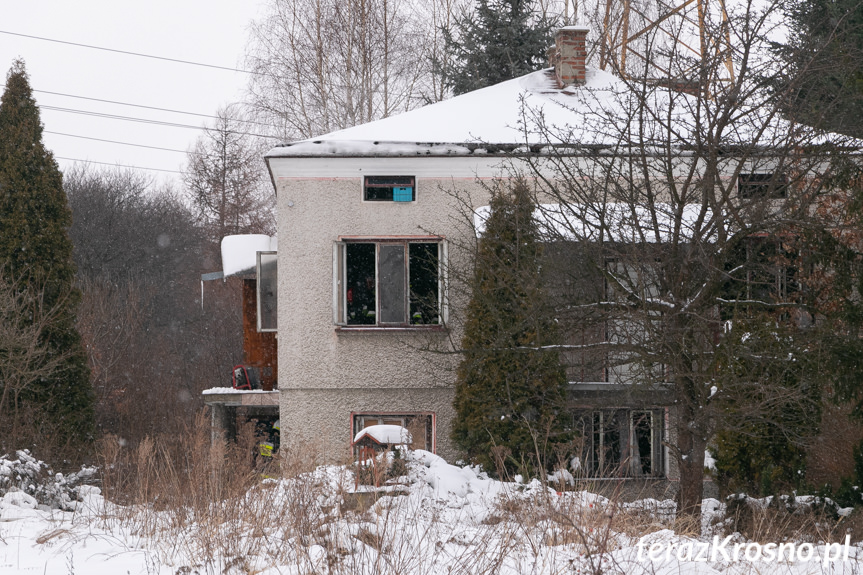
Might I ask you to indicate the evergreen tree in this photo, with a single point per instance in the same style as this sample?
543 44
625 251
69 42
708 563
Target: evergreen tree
510 387
36 251
825 57
498 41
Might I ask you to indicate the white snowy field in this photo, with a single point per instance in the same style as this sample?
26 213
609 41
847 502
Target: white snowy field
437 519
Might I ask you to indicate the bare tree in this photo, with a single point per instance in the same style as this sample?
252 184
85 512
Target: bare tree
226 178
25 357
441 17
323 65
150 340
677 215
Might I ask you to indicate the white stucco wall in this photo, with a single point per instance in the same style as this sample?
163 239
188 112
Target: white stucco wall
325 373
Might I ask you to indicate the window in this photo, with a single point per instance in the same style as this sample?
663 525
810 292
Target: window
420 426
388 282
622 442
389 189
761 185
268 289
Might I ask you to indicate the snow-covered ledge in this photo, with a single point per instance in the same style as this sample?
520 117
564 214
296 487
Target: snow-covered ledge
229 396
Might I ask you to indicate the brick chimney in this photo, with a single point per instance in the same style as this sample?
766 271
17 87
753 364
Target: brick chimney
568 55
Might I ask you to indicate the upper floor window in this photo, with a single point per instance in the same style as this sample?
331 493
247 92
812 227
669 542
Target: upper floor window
761 185
388 282
389 188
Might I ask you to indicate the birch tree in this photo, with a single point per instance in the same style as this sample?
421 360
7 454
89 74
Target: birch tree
323 65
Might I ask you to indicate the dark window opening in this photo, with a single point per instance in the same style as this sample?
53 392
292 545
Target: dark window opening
764 272
642 431
424 282
390 283
762 185
389 189
622 442
360 285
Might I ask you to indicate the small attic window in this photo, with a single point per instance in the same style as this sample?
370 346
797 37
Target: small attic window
762 185
389 189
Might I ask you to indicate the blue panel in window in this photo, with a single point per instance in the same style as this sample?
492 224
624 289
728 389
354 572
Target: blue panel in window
403 194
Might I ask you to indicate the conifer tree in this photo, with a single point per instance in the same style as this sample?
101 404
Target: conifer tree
510 386
36 251
825 63
498 41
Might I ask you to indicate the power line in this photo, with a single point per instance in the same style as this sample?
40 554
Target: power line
135 105
145 120
122 143
117 165
177 60
147 107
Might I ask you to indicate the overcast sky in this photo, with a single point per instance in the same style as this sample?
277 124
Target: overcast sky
195 30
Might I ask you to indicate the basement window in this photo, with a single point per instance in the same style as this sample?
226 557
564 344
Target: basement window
389 189
420 426
388 283
765 185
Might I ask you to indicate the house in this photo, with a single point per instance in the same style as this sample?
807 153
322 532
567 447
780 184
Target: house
366 212
369 233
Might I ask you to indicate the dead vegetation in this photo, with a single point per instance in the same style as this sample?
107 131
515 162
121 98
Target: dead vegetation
201 503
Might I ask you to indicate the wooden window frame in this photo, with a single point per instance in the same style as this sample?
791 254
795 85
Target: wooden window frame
408 181
431 432
340 303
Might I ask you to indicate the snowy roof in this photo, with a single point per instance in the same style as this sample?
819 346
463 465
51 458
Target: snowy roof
533 113
240 252
492 115
618 222
386 434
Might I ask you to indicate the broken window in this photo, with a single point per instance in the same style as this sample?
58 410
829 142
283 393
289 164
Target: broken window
389 188
387 283
419 425
622 442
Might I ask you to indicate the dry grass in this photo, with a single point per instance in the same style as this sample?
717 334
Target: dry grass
203 506
779 522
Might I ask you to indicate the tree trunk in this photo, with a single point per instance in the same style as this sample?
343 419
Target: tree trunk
691 445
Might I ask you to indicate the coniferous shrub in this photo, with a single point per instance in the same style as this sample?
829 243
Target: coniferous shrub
510 386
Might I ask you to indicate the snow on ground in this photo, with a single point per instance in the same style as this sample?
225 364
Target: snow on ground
438 518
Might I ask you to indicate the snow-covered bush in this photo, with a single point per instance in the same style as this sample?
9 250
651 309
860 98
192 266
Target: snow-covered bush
28 475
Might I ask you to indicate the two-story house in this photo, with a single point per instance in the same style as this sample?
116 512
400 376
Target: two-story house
367 219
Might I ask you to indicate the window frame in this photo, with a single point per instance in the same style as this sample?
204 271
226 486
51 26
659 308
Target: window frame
587 419
259 297
340 304
365 186
431 431
762 185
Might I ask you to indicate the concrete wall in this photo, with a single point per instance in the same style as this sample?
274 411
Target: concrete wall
326 373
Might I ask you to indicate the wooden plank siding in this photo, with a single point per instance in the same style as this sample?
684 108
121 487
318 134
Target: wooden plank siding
259 348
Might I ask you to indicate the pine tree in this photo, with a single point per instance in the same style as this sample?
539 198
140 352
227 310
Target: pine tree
825 61
509 388
36 252
498 41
